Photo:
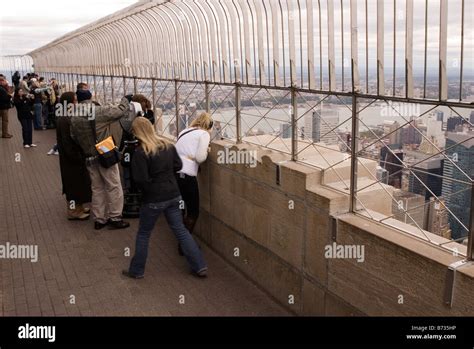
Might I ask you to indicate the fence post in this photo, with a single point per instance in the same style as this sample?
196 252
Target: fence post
135 85
103 88
470 241
294 124
354 152
238 116
153 94
176 101
112 88
95 87
207 97
124 86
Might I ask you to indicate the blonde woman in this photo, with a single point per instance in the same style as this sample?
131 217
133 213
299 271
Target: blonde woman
192 147
154 165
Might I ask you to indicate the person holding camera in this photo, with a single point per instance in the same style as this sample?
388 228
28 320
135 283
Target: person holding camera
24 108
192 147
90 129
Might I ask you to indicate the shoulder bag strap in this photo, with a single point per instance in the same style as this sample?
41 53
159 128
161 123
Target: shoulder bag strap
185 133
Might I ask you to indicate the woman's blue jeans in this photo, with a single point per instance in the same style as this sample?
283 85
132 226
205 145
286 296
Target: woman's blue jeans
149 214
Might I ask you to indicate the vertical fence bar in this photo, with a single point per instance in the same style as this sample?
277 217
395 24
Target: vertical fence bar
95 87
354 48
103 89
394 47
409 50
238 120
470 241
331 48
153 93
461 68
294 124
124 86
176 101
380 48
425 68
135 85
354 151
443 50
366 46
342 43
207 97
112 89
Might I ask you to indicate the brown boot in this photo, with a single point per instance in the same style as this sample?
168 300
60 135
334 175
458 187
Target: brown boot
77 214
81 208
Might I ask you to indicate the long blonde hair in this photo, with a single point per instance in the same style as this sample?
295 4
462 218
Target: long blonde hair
203 121
149 140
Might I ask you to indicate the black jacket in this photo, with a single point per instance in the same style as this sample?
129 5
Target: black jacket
155 175
5 99
24 108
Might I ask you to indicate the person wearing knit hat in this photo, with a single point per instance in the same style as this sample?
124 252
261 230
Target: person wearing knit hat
99 124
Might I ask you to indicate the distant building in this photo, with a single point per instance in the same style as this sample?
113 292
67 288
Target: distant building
393 132
391 160
409 208
437 218
460 149
453 122
285 130
439 115
321 126
382 175
426 176
410 134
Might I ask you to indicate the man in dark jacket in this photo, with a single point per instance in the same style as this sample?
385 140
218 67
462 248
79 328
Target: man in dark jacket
16 79
74 174
107 193
5 104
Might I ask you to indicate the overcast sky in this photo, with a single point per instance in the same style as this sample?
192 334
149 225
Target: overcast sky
29 24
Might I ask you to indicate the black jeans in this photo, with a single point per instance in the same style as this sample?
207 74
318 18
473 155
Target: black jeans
188 186
27 131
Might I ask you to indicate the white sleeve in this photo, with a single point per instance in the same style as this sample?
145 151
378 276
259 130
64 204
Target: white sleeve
201 151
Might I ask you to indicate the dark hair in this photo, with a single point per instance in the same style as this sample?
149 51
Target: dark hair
68 97
16 97
41 79
80 86
144 102
25 77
